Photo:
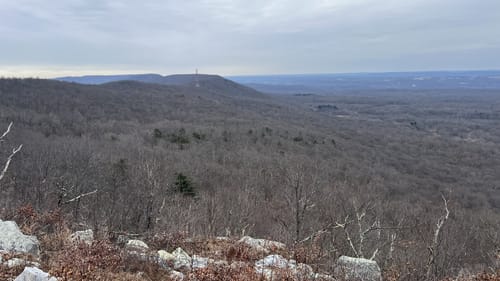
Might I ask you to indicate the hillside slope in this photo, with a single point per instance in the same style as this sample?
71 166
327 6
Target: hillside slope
181 159
211 83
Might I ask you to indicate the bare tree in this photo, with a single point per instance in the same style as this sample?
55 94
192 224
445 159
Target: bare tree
363 229
433 248
301 188
14 151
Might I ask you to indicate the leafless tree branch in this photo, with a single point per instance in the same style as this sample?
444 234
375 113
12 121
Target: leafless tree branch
435 241
14 151
80 197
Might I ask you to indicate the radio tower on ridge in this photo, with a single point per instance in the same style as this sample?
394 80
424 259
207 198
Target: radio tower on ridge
196 79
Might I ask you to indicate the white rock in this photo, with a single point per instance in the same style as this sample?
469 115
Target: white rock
15 262
351 269
199 262
34 274
304 271
323 277
270 266
86 236
13 240
262 245
268 274
221 263
136 245
182 259
176 275
274 261
238 265
222 238
166 256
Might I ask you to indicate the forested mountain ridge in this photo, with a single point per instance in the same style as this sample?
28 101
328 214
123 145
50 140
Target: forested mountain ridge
283 168
208 82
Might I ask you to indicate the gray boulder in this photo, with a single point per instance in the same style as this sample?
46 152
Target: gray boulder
182 259
14 262
200 262
271 266
13 240
86 236
166 256
262 245
357 269
137 245
176 275
34 274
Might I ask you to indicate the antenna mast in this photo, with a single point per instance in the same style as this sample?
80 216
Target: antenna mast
196 79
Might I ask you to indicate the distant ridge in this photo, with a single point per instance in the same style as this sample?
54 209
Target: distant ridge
102 79
176 79
212 83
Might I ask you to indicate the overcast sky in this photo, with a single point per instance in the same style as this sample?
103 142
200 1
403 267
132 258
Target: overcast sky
73 37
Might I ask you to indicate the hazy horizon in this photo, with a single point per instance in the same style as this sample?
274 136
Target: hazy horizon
74 37
110 73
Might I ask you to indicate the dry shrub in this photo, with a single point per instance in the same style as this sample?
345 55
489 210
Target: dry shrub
308 254
144 267
241 252
169 241
226 273
86 262
50 227
32 222
478 277
10 273
391 274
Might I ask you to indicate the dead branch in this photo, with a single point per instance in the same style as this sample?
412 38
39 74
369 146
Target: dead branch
435 242
6 131
14 151
79 197
9 159
347 235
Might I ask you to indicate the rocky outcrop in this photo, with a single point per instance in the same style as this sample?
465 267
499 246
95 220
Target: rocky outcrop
357 269
176 275
166 256
200 262
262 245
272 266
86 236
34 274
182 259
136 245
13 240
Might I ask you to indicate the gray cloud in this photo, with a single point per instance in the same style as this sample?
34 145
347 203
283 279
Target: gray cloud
237 37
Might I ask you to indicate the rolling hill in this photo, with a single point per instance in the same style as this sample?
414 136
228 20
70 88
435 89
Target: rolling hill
210 83
267 166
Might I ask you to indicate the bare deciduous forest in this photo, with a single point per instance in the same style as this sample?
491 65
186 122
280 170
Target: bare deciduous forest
409 178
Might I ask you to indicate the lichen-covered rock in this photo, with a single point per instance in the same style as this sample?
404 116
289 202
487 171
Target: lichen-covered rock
136 245
199 262
262 245
176 275
13 240
166 256
274 261
86 236
272 266
268 267
34 274
182 259
357 269
15 262
323 277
